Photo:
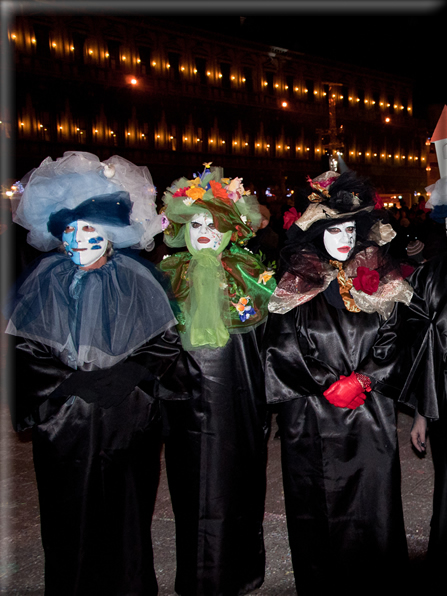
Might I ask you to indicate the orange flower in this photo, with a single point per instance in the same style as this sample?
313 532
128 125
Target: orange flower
195 193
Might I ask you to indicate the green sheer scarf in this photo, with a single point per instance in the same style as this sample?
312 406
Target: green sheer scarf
205 306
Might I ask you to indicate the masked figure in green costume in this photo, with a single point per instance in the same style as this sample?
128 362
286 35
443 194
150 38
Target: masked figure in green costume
216 446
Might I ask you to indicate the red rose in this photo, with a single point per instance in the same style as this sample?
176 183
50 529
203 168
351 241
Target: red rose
181 192
290 217
367 280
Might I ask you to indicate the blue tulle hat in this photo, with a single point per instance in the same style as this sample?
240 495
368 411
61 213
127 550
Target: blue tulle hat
115 193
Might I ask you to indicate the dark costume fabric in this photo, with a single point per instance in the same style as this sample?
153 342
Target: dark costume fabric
340 466
216 461
216 447
96 431
408 362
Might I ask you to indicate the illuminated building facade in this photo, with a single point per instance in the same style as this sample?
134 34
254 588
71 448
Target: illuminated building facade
171 98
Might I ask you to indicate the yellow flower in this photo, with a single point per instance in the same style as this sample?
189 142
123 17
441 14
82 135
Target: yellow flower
195 192
264 277
207 164
195 182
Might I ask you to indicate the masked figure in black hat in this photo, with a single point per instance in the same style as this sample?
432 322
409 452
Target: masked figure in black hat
339 452
96 345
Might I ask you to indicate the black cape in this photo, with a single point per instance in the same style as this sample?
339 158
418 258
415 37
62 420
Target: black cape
216 466
341 468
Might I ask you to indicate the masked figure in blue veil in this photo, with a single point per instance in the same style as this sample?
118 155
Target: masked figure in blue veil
96 349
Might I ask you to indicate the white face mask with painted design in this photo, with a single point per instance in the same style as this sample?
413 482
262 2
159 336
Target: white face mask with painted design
84 242
203 233
339 240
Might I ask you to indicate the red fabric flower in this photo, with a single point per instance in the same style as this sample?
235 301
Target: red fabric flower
181 192
367 280
378 201
290 218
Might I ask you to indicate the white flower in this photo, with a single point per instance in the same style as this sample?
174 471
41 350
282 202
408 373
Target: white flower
244 218
188 202
223 285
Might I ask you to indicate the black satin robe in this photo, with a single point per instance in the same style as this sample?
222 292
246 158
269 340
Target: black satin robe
341 468
216 466
409 361
96 447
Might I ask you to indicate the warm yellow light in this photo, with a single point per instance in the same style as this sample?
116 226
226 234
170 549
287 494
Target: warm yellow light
220 75
72 48
182 68
211 141
33 40
128 134
107 54
233 77
284 104
133 81
279 147
288 147
208 74
123 57
54 44
90 52
195 71
14 36
223 142
168 65
154 63
268 146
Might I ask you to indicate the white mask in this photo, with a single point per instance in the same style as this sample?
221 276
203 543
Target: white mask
339 240
203 234
84 242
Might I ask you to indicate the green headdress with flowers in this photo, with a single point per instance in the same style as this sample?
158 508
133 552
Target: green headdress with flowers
218 292
232 207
